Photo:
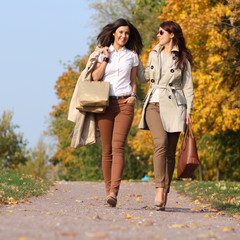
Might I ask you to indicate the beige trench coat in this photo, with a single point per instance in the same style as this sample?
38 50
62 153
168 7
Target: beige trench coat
85 131
175 91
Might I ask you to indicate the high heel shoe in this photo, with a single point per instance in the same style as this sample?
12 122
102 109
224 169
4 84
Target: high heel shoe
159 206
112 201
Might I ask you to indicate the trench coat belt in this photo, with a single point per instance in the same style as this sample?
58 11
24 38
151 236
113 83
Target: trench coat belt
170 89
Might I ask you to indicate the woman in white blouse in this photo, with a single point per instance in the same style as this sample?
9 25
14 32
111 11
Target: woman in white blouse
118 65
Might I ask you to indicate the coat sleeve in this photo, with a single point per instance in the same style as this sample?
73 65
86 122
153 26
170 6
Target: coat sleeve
141 72
187 85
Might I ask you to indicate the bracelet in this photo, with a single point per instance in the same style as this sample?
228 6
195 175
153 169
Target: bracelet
134 94
105 59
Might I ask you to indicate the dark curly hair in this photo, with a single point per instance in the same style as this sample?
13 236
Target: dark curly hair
106 38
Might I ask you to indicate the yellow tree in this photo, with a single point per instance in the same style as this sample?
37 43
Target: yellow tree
211 29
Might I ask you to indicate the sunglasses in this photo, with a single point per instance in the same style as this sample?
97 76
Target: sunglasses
161 32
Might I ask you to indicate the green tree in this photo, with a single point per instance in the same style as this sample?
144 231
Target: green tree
38 163
12 145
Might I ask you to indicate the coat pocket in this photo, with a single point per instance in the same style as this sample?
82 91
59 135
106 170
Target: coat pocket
181 100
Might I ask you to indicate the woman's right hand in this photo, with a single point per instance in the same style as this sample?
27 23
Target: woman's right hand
106 52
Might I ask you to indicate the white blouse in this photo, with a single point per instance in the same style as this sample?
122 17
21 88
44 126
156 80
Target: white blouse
118 70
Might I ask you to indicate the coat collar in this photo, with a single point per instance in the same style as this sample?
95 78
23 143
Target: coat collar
158 48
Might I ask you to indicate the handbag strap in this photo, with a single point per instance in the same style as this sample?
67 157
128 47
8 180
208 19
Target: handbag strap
190 129
185 138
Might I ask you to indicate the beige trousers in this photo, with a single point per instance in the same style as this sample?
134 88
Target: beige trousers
165 144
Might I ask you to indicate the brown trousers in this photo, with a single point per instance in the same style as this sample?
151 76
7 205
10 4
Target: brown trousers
165 144
114 126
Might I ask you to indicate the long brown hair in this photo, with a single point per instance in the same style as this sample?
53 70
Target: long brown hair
106 38
184 54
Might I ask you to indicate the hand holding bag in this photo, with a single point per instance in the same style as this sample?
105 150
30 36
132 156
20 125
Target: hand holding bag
93 96
188 158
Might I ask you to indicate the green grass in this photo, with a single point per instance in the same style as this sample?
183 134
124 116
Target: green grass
224 196
16 187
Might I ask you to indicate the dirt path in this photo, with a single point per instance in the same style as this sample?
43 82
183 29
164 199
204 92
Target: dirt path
75 210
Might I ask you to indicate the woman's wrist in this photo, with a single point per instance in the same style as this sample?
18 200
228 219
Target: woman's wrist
133 94
106 59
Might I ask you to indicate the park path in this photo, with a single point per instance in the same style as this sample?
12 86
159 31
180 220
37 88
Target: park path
75 210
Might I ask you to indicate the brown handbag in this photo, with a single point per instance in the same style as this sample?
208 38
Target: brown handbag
93 96
188 158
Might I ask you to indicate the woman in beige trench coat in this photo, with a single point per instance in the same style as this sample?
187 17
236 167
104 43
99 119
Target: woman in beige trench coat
168 103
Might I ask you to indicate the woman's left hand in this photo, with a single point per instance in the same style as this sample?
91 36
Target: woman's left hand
188 119
130 100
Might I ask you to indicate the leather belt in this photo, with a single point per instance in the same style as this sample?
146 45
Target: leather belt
119 97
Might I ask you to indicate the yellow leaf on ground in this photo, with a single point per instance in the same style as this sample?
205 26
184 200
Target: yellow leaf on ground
209 216
147 224
79 201
97 198
51 195
23 238
212 210
180 226
198 209
228 229
133 195
134 223
12 200
206 235
98 235
128 216
138 200
47 213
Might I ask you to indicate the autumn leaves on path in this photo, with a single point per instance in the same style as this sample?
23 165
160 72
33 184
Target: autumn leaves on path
75 210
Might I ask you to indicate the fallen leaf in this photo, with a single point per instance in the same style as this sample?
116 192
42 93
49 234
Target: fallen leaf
138 200
236 216
73 234
147 224
64 190
51 195
97 198
79 201
134 223
209 216
47 213
212 210
97 217
133 195
23 238
228 229
128 216
198 209
196 201
180 226
97 235
206 235
11 200
193 225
